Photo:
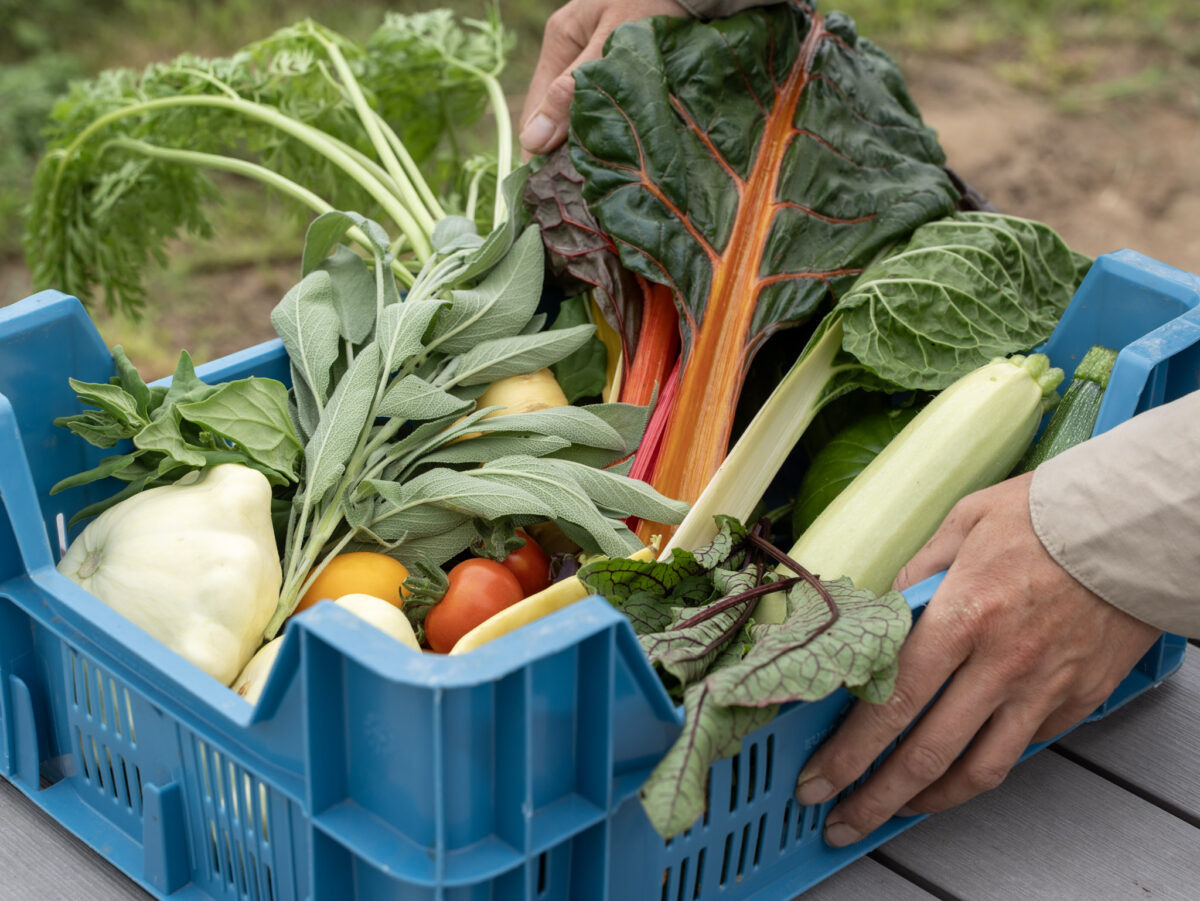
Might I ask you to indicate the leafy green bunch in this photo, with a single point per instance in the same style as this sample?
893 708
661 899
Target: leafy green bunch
177 429
323 120
694 617
397 456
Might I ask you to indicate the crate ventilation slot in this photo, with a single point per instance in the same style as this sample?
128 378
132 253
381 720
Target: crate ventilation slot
103 733
235 829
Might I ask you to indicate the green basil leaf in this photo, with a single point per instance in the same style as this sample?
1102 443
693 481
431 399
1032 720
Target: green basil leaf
109 466
112 399
165 436
252 414
131 380
97 427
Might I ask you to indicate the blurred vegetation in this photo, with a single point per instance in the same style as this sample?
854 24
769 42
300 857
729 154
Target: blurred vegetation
1079 53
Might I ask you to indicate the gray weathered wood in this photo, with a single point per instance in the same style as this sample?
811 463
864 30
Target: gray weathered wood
1153 743
866 879
1056 831
40 859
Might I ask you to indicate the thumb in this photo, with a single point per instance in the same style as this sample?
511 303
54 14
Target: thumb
939 551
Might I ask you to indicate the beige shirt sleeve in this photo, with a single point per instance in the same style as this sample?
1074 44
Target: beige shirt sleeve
716 9
1121 513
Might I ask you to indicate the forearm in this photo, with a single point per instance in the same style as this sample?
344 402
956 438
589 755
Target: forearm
1121 513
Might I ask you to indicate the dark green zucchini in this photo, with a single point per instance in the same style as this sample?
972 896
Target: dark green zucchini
1075 416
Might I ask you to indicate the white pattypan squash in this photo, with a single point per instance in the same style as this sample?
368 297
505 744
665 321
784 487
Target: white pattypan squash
376 611
194 564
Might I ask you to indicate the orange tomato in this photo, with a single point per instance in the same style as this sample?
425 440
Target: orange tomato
358 572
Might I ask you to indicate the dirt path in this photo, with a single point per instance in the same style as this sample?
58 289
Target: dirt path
1126 177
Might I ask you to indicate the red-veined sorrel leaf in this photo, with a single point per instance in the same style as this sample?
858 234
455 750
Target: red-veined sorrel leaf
753 164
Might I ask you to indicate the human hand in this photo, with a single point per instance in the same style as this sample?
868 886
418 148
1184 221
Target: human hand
574 34
1028 651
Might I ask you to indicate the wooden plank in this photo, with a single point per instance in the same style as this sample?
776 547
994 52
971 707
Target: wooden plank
40 859
866 879
1053 831
1152 744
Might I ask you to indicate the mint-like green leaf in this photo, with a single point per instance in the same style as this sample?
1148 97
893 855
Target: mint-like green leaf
165 436
674 794
798 660
252 414
131 380
584 372
97 427
109 466
112 399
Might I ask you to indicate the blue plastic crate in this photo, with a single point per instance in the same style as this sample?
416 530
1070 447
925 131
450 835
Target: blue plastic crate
364 772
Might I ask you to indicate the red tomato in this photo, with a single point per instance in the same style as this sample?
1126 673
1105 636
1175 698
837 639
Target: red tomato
479 588
530 564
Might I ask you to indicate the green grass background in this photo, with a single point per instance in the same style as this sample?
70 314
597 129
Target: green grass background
1059 49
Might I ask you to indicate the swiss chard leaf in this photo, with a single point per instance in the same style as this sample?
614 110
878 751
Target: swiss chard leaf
580 253
754 165
674 794
799 660
582 374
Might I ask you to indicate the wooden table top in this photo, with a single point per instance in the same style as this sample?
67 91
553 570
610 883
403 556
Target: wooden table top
1110 812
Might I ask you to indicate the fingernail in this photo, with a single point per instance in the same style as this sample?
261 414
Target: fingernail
813 790
838 835
907 811
537 132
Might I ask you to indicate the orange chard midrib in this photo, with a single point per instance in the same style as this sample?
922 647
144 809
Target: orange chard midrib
702 420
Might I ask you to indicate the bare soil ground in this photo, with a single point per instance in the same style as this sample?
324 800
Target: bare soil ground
1122 174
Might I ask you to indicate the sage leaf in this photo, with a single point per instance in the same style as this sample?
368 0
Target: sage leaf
500 305
487 448
797 661
422 504
455 233
308 324
307 411
328 229
354 293
414 398
342 422
502 237
401 329
576 424
489 361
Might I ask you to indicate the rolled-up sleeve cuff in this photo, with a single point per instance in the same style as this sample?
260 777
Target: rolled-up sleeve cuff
1121 513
